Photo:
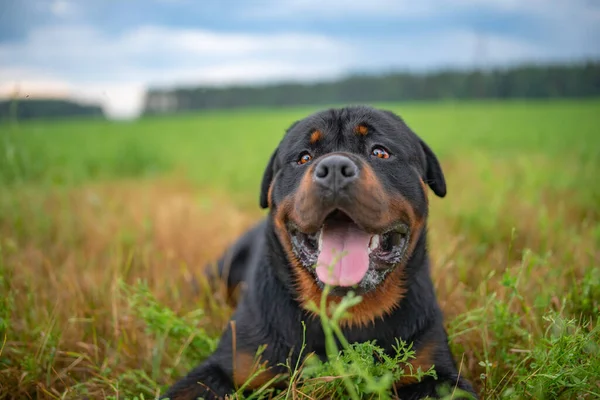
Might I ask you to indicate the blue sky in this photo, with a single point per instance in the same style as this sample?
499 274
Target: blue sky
111 50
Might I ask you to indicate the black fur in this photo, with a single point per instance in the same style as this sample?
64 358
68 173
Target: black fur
268 312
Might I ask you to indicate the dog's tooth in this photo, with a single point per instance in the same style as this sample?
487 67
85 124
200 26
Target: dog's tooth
374 243
320 239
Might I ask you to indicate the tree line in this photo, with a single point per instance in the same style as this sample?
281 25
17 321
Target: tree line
23 109
521 82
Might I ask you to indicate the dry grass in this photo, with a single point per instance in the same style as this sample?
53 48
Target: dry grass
496 282
165 231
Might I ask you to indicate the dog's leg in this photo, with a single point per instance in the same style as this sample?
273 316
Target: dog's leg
429 387
233 264
207 381
235 364
433 350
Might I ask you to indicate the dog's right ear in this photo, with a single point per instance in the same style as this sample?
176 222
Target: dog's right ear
267 179
269 174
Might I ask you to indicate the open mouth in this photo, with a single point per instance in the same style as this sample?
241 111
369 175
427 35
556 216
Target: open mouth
340 253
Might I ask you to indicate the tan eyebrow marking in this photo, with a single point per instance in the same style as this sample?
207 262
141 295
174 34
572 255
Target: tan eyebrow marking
361 130
316 136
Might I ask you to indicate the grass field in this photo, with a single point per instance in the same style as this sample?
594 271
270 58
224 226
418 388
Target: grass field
104 224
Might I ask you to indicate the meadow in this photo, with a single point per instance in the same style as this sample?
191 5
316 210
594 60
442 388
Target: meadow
106 226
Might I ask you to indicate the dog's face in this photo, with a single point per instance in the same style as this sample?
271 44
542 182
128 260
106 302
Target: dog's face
347 191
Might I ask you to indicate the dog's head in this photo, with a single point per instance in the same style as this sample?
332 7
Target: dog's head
347 189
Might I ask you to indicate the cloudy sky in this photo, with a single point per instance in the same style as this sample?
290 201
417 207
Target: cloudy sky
111 50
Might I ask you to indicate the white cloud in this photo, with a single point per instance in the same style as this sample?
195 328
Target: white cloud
342 9
82 50
450 48
339 9
63 8
85 63
115 70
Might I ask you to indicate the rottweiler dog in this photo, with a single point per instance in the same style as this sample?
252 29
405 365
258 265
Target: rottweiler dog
347 193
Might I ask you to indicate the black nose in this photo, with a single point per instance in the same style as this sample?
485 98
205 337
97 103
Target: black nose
335 172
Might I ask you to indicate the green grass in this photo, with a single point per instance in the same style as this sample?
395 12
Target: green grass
88 209
230 149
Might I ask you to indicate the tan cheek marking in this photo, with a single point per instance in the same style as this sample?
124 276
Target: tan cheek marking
270 194
401 205
280 219
371 186
425 191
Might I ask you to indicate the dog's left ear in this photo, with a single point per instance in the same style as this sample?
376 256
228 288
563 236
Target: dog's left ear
433 171
434 177
267 179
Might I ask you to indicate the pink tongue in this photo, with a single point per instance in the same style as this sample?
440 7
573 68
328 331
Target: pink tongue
344 257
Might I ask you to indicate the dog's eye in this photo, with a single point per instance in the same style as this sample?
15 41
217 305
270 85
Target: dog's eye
304 158
380 152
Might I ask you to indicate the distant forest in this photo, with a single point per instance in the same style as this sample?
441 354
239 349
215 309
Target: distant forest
522 82
23 109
